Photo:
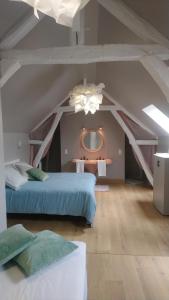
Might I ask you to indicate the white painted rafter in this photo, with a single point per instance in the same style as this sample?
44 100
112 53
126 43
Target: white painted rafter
54 110
77 32
19 31
8 69
64 109
85 54
47 139
147 142
118 106
159 71
35 142
114 108
134 22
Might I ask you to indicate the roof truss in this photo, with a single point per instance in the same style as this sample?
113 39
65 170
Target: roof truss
150 56
86 54
8 69
159 71
146 54
114 108
134 22
19 31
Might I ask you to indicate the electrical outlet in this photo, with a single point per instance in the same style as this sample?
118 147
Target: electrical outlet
66 151
120 152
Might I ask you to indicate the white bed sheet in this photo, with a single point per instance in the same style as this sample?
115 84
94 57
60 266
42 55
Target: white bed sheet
63 280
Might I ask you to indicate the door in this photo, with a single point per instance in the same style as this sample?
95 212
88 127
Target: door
133 172
52 161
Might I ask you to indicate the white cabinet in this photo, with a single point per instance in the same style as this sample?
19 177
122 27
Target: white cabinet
161 183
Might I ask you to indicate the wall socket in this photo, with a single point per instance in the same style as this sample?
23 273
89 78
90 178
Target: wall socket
120 152
66 151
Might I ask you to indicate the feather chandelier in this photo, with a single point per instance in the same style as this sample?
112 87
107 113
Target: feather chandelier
87 97
63 11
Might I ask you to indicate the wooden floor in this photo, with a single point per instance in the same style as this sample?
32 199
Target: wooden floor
128 248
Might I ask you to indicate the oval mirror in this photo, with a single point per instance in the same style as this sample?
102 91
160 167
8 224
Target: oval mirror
92 140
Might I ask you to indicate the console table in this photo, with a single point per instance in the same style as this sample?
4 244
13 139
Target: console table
91 164
92 161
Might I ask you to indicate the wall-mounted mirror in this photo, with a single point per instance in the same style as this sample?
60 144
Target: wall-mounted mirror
92 140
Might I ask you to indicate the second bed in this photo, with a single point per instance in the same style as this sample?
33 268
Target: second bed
61 194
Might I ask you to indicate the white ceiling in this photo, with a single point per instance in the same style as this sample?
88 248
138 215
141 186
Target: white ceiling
34 90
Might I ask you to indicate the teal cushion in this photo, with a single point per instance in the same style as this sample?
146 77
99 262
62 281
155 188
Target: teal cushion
13 241
37 174
31 178
46 249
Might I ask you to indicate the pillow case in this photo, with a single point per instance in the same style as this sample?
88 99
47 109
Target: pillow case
47 248
23 167
31 178
13 241
38 174
13 178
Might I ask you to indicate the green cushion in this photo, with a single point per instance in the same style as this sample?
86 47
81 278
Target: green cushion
47 248
31 178
37 174
13 241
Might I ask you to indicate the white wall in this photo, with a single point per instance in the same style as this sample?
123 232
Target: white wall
163 145
71 126
16 146
2 183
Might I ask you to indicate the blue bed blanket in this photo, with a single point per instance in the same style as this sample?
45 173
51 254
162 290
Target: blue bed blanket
61 194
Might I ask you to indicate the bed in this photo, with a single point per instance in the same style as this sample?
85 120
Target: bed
63 280
61 194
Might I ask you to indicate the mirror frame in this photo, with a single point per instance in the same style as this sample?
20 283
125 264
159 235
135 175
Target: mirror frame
83 135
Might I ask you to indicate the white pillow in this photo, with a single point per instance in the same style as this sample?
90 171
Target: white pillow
13 178
23 167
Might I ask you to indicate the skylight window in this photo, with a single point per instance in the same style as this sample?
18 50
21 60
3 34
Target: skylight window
158 116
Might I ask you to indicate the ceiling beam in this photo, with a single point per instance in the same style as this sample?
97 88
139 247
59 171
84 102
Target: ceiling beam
69 108
119 107
19 31
85 54
54 110
159 72
8 69
147 142
77 32
35 142
47 139
134 22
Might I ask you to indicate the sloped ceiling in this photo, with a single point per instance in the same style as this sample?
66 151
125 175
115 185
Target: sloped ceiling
10 14
128 82
34 90
155 12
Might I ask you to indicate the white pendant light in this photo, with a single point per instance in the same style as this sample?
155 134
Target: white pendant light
63 11
87 97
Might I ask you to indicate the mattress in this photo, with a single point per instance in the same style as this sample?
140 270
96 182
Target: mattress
63 280
61 194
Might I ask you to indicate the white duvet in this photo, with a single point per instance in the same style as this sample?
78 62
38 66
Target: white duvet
63 280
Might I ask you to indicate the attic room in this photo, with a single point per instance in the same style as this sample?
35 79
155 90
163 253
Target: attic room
84 149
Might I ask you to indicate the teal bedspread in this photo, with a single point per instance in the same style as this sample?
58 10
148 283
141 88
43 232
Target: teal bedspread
61 194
